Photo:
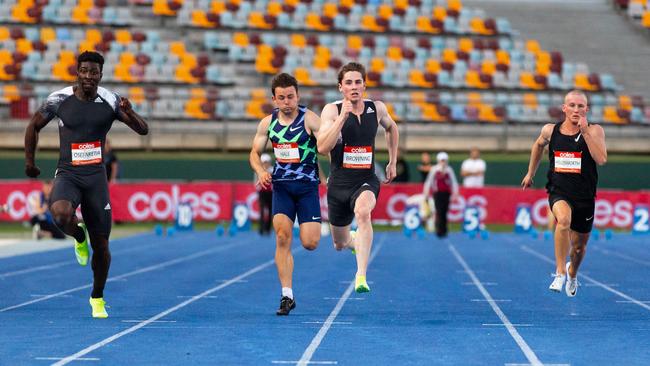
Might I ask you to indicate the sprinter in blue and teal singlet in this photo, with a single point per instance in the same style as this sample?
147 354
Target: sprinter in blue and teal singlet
292 130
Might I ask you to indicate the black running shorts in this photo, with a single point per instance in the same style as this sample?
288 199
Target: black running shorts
89 191
582 211
341 197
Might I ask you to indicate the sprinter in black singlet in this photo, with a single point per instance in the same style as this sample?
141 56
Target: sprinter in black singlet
575 148
85 113
348 134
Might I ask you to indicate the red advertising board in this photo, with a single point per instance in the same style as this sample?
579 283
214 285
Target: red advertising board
211 201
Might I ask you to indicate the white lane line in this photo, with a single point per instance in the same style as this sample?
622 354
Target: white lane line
154 318
227 281
120 277
622 256
315 342
482 283
60 358
187 296
43 295
68 262
528 352
35 269
140 320
546 364
588 278
320 322
503 325
309 363
594 285
632 302
488 300
339 298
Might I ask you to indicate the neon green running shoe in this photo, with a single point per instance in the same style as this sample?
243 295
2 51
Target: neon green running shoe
98 307
81 249
360 285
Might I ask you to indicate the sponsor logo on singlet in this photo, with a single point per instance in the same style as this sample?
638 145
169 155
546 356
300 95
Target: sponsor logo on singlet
357 157
568 161
86 153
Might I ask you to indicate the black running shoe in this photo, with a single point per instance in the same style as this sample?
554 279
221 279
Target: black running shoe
286 305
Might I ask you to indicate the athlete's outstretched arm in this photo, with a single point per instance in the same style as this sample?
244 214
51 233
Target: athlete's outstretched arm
331 124
594 136
392 139
259 142
131 118
35 125
536 154
313 123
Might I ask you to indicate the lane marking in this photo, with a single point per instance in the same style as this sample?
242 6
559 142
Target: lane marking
129 274
154 318
622 256
315 342
157 321
321 322
502 325
488 300
588 278
339 298
60 358
68 262
482 283
308 363
528 352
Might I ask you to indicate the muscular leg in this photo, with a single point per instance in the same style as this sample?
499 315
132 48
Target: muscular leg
341 237
65 219
578 250
101 262
363 206
562 212
283 259
310 235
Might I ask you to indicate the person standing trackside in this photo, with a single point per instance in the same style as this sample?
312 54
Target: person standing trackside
575 148
442 182
86 113
473 170
424 166
292 129
348 135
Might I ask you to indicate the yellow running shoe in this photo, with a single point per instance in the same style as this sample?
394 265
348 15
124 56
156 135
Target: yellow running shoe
81 249
98 307
360 285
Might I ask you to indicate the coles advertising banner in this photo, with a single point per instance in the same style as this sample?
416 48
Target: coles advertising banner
211 201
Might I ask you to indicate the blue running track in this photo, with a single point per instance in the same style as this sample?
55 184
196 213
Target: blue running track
197 299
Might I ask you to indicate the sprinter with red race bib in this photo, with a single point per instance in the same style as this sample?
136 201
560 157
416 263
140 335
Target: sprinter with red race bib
575 148
348 135
85 113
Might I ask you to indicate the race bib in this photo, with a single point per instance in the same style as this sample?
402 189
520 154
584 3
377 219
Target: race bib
286 152
568 161
357 157
87 153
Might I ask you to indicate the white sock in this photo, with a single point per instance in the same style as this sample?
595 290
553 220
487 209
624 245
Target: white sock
288 292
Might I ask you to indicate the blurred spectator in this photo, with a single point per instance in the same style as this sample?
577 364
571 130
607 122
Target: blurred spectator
424 166
442 182
42 221
401 167
473 170
111 163
265 197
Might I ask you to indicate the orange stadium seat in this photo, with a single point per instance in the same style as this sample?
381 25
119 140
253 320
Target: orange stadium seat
240 39
302 76
454 5
4 34
161 7
386 11
645 19
439 13
582 82
298 40
330 9
433 66
274 8
218 6
48 34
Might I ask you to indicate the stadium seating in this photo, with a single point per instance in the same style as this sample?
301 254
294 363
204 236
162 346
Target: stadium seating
430 60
